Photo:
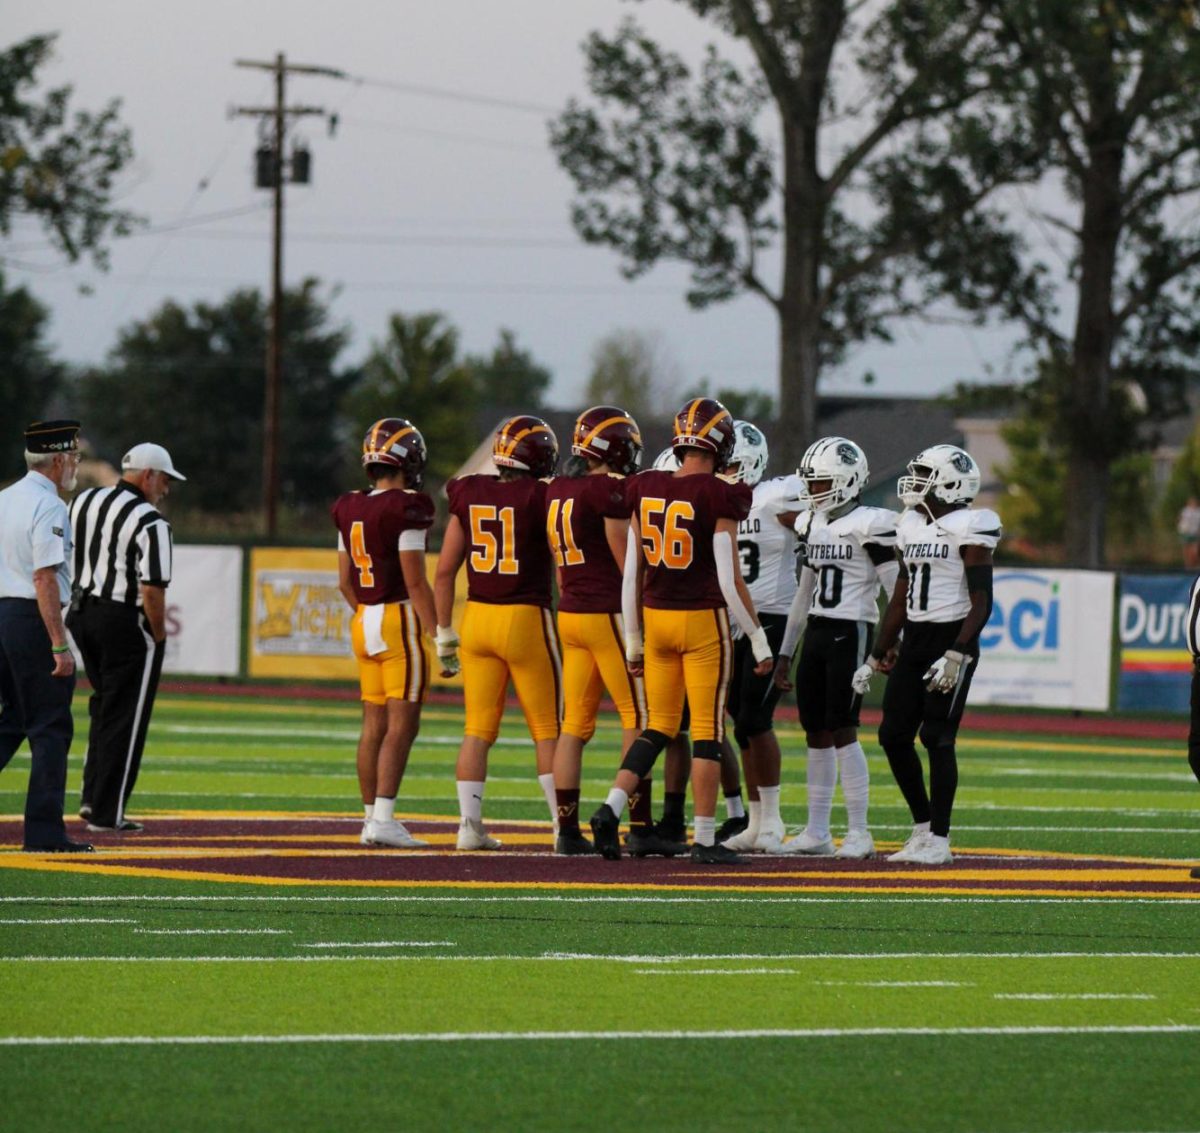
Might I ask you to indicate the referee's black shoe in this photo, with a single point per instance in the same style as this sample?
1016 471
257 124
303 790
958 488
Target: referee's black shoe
125 826
66 846
1196 873
606 828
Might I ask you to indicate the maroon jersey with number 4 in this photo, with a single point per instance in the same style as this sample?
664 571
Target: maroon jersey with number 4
370 524
504 521
678 516
589 579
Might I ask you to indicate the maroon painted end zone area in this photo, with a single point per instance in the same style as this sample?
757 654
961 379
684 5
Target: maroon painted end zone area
327 851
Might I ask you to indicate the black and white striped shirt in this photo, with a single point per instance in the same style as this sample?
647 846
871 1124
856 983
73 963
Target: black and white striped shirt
121 540
1191 627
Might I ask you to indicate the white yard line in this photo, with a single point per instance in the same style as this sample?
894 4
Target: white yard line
67 920
591 1036
382 944
1067 995
214 931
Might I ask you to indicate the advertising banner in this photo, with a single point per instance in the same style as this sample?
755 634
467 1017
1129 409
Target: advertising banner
1048 642
299 621
1156 668
204 611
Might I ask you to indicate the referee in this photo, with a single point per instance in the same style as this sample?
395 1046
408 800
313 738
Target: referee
37 671
118 620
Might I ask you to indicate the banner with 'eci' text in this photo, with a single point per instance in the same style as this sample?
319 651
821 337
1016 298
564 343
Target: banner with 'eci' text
1048 642
1156 667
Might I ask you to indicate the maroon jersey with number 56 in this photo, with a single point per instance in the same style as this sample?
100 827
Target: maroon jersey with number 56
678 516
370 524
504 521
589 578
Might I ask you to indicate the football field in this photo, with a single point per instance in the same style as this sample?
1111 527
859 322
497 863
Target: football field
245 963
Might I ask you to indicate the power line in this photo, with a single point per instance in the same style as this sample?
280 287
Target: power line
455 95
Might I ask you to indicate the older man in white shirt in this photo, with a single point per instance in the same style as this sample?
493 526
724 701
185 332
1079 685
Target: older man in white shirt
37 670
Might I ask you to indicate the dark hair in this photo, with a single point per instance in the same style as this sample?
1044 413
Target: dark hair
377 471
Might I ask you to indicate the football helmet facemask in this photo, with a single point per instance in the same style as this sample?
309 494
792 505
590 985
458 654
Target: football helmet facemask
842 463
666 461
527 444
748 461
704 423
609 435
396 441
946 472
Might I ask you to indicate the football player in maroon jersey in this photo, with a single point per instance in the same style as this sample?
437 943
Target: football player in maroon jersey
587 524
682 564
381 573
498 527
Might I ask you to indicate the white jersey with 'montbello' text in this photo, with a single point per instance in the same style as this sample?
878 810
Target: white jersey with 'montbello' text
932 552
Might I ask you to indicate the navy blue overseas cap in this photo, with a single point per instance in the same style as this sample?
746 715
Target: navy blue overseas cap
52 436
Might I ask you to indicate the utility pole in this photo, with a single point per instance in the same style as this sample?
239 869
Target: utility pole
278 116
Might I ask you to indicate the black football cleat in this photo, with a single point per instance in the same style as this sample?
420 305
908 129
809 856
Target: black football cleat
715 855
66 846
572 844
1196 873
606 830
643 842
125 826
732 826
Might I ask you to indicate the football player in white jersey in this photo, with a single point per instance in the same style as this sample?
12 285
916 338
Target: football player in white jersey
848 554
766 552
941 602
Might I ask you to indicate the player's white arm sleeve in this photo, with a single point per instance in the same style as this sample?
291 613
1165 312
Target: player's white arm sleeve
797 617
888 573
629 600
757 636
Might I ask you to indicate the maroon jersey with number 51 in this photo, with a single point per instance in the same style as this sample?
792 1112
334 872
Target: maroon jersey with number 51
370 524
678 517
504 521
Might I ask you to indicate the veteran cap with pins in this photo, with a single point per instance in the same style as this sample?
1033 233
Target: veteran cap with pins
44 437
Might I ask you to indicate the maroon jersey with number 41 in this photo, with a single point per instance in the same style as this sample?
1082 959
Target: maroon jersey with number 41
589 579
370 524
504 521
678 516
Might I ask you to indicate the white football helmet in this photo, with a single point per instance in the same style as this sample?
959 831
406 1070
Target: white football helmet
946 472
748 461
839 461
666 461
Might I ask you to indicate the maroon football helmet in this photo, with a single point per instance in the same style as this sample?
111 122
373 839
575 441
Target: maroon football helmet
705 423
526 443
609 435
397 442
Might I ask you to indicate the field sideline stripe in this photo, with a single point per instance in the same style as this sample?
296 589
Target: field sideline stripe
598 1036
561 957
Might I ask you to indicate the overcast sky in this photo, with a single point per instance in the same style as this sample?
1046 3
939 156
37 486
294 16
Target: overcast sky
421 201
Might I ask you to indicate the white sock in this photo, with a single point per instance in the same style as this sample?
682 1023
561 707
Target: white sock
938 840
768 801
920 828
385 809
706 830
617 800
546 782
754 808
733 806
822 780
470 799
368 810
856 784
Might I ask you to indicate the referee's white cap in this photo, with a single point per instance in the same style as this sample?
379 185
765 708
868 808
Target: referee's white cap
152 456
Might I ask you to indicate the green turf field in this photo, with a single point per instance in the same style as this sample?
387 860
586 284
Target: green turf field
145 1002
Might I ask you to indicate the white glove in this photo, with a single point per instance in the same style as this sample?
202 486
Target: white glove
943 674
861 680
447 643
760 646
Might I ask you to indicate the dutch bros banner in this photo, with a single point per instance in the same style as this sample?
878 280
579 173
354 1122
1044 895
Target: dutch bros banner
1156 667
1048 642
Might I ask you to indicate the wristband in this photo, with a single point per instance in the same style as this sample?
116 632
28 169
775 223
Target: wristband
64 648
760 646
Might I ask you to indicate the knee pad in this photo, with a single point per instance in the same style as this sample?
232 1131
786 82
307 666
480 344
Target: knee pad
893 737
643 752
938 735
1194 761
707 749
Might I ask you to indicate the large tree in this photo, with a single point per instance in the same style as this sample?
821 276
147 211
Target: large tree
879 198
1112 89
633 369
29 375
55 166
191 379
509 380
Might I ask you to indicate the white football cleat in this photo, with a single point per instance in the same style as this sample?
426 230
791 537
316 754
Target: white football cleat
362 838
857 844
770 836
807 844
933 851
744 842
916 840
391 833
473 836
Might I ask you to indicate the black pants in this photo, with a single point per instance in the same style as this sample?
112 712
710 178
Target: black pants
1194 730
36 706
123 663
752 699
909 710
